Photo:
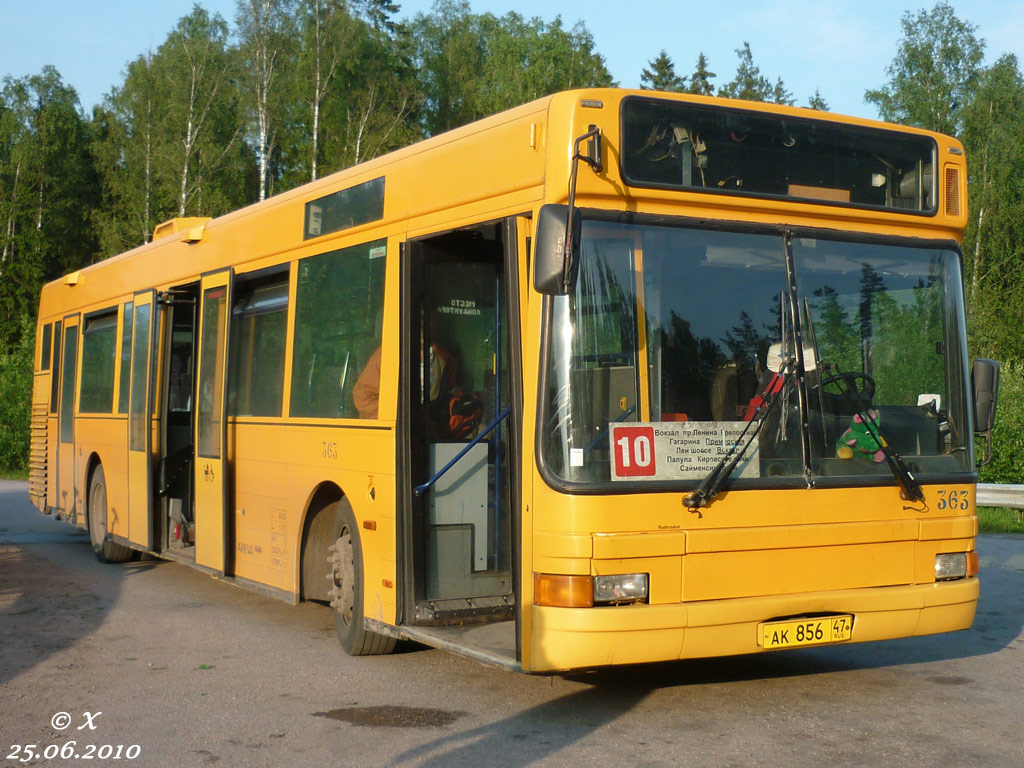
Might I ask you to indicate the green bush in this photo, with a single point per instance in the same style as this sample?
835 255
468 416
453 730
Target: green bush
1008 436
16 399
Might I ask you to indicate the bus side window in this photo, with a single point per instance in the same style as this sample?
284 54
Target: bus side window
96 385
126 357
256 373
44 354
338 303
55 376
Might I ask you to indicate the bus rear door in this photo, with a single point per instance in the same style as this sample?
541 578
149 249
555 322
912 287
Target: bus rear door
66 420
140 422
210 462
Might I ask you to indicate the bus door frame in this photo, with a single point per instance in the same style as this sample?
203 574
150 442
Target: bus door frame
210 486
66 464
410 527
410 252
518 231
140 462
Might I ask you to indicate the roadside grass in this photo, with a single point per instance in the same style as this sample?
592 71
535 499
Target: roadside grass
1000 520
14 474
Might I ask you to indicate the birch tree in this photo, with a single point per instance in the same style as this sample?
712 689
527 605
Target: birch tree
935 70
328 32
266 34
200 113
126 143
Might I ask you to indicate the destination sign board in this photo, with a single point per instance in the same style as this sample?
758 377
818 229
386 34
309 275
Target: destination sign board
674 450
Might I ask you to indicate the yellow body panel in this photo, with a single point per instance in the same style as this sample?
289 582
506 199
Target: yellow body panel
567 638
751 556
104 436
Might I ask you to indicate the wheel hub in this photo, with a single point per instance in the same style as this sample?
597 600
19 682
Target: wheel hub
342 576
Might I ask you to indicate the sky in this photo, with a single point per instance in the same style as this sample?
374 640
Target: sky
839 47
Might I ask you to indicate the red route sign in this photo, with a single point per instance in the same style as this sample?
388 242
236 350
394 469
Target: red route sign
633 452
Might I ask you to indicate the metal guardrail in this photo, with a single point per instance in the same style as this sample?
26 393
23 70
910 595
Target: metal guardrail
998 495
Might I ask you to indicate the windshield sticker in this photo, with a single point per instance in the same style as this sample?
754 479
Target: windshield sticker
673 450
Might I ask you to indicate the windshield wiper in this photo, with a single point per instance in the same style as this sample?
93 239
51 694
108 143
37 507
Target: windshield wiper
712 483
910 489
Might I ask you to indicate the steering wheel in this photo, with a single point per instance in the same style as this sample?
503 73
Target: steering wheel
857 390
858 383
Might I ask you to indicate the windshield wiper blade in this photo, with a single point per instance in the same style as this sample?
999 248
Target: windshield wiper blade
712 483
910 488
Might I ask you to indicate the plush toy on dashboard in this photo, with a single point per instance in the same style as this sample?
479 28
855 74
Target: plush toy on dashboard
858 441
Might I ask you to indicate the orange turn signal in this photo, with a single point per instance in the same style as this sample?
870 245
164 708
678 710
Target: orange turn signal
563 591
972 564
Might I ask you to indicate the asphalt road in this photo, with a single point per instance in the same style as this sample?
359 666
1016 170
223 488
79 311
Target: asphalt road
195 672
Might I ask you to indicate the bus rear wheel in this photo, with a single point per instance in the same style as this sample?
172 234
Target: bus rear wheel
345 560
107 551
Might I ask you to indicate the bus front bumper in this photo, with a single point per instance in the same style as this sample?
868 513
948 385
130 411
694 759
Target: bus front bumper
573 638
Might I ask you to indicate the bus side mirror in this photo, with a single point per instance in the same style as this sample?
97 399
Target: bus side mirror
554 265
985 383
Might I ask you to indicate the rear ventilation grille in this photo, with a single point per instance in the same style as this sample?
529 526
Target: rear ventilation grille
952 190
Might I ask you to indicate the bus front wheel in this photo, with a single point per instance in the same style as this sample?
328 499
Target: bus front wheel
107 551
346 589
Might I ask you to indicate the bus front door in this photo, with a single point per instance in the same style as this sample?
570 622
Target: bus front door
455 386
210 465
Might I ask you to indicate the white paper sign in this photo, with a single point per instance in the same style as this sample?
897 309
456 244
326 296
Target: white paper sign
673 450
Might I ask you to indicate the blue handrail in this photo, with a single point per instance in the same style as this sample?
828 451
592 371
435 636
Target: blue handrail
419 489
604 433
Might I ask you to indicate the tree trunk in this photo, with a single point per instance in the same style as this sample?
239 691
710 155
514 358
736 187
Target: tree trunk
8 251
148 183
317 94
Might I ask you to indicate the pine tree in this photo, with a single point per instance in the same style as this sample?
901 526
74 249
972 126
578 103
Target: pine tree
748 83
47 192
380 14
817 102
662 75
700 80
782 95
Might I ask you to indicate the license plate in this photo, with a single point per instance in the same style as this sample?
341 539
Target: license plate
793 633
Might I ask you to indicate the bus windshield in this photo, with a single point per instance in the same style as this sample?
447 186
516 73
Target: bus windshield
687 332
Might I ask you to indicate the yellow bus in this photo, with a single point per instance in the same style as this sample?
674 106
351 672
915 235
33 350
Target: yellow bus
613 377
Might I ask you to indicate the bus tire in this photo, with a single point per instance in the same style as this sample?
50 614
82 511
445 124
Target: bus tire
346 588
106 550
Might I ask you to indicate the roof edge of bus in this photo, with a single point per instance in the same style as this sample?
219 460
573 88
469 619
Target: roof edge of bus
764 106
181 229
351 174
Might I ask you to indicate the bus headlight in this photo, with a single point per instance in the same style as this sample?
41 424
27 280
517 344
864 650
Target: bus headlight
620 588
951 565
